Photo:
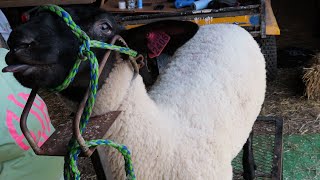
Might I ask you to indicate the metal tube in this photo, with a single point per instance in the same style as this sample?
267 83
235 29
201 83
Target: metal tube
263 19
23 122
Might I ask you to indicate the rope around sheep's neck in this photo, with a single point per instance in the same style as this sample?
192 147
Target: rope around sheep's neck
72 170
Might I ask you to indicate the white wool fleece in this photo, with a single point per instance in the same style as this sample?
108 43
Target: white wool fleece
197 116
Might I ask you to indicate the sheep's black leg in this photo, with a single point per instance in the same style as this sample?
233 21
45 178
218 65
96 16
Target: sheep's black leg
248 159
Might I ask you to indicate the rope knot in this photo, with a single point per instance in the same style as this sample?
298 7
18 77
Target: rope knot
85 47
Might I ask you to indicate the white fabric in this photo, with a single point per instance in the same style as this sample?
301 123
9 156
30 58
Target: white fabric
5 28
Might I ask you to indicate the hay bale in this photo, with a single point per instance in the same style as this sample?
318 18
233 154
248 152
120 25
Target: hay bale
311 78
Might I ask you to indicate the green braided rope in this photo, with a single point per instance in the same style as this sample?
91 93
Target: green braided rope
124 50
72 170
121 148
94 66
70 76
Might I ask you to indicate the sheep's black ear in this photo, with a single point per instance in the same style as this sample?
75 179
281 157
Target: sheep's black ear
178 31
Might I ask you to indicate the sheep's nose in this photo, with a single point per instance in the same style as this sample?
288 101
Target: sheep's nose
10 58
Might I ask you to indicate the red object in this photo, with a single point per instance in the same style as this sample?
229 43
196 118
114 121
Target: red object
157 41
25 17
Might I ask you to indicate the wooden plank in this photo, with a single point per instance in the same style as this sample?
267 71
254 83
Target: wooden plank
112 6
20 3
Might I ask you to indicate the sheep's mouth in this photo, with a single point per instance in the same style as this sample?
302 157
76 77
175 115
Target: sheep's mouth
20 68
16 68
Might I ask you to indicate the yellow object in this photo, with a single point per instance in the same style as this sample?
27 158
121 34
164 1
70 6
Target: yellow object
241 20
272 27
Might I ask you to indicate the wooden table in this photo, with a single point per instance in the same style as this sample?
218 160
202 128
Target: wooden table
148 7
19 3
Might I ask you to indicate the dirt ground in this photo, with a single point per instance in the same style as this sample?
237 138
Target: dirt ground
284 98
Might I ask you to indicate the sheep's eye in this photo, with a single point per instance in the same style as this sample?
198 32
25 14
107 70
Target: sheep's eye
106 28
23 46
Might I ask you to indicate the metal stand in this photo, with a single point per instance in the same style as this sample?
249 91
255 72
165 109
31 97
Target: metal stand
262 153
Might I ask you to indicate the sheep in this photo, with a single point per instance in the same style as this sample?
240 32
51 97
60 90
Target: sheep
191 123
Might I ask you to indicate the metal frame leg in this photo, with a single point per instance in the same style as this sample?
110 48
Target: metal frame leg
248 159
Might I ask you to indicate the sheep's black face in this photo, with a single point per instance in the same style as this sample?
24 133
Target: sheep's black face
43 50
39 52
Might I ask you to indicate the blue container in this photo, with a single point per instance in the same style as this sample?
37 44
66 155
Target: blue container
201 4
140 4
183 3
